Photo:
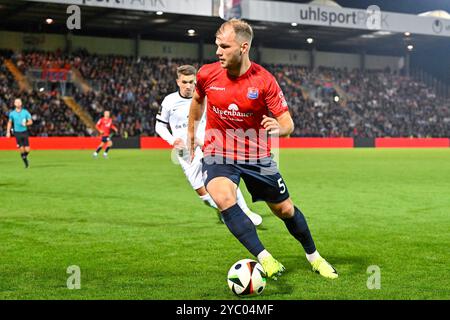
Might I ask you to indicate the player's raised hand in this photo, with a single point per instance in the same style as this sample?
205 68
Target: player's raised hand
271 125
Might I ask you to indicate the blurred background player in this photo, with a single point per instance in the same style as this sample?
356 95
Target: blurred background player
104 126
174 114
263 109
21 119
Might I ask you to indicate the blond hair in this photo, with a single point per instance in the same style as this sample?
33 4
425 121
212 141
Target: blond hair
241 28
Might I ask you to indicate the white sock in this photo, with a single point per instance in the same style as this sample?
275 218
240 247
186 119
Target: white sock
313 256
241 201
207 198
263 254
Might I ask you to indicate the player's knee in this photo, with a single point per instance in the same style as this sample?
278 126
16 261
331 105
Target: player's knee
284 210
224 201
223 198
223 192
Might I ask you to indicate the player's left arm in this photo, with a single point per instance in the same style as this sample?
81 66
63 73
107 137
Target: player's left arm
281 126
29 120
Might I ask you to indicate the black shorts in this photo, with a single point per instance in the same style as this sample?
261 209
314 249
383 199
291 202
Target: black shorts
262 178
22 139
106 139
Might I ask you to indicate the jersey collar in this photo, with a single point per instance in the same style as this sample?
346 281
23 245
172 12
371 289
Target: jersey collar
179 93
242 76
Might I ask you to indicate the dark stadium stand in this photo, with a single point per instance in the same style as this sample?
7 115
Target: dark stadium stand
325 102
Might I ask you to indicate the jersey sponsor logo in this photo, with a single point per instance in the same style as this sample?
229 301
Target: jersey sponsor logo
217 88
180 126
252 93
232 113
233 107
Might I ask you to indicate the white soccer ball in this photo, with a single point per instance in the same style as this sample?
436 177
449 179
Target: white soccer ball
246 278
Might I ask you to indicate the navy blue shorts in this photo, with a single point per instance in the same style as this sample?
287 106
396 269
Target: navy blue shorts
262 178
105 139
22 139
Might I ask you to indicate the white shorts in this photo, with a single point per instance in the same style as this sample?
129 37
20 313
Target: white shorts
193 170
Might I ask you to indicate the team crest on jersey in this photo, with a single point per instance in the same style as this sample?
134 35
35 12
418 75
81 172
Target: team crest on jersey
252 93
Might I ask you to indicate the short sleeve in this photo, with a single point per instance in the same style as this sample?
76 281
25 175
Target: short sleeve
164 112
274 98
10 116
200 85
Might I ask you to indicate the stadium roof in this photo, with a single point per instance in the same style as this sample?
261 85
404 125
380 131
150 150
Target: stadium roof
19 15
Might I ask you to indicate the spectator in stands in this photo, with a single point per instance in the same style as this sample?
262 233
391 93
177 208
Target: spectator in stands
326 102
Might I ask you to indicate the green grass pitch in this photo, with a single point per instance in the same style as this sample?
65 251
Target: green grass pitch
137 230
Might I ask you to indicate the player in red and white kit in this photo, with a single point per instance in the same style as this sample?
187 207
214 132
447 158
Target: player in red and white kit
104 127
245 106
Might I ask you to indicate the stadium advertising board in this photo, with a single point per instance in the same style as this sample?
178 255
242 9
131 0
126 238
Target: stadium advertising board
371 19
194 7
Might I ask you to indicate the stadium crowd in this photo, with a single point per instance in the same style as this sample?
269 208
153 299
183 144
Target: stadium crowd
338 102
50 115
131 89
324 103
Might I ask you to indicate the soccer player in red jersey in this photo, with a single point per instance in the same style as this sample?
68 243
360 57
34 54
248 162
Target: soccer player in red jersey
104 126
245 106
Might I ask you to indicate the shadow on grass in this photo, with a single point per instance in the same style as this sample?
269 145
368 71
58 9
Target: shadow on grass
279 288
350 265
55 165
9 184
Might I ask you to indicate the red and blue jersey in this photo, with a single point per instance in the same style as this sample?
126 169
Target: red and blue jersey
105 125
235 109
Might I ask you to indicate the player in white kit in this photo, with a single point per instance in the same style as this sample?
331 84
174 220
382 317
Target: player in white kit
173 114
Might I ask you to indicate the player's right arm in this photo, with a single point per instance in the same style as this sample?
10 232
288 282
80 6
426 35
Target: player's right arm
98 126
195 115
162 130
8 129
162 123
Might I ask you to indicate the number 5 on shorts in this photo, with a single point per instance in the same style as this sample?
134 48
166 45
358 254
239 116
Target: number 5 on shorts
282 186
